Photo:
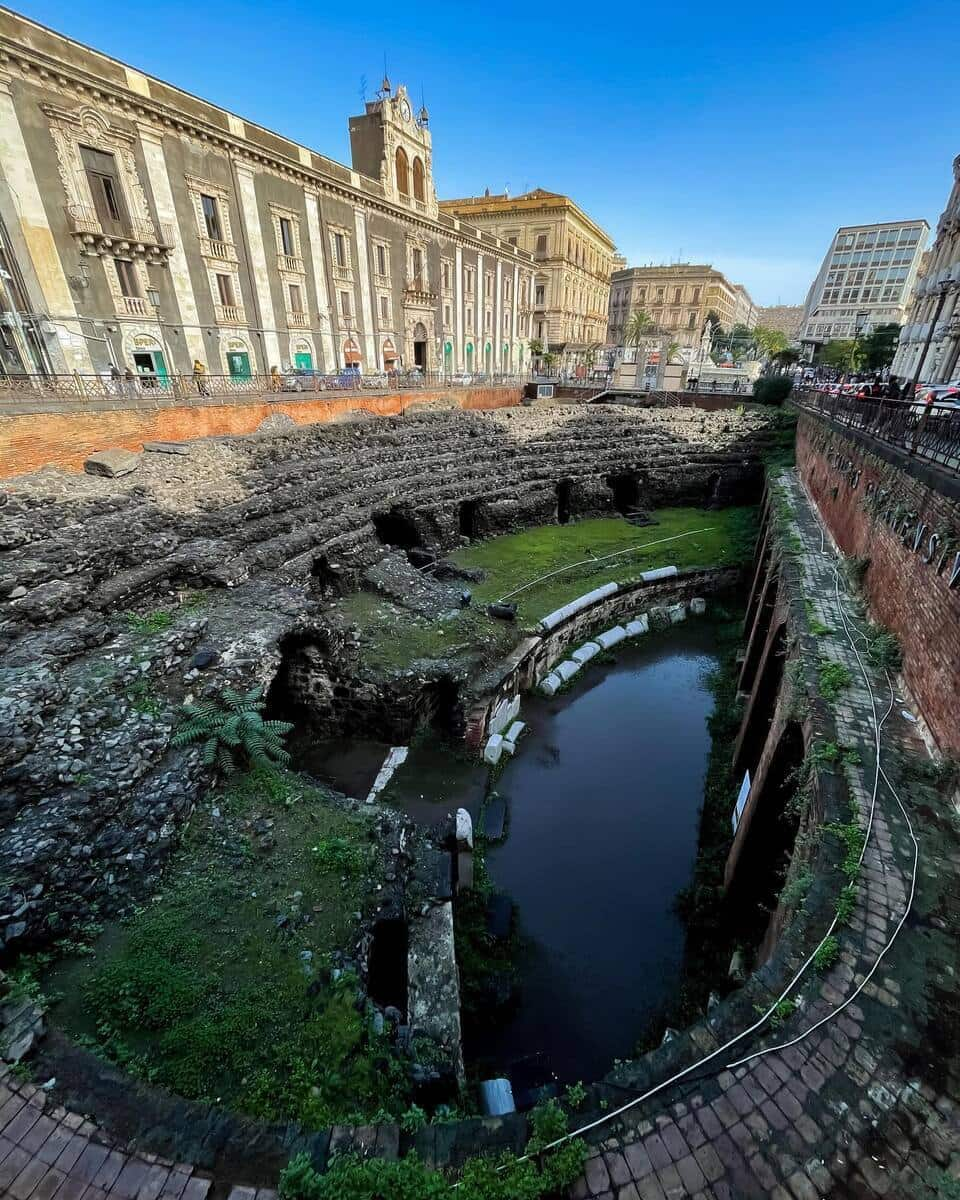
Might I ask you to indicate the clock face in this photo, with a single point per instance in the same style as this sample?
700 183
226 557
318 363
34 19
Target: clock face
405 110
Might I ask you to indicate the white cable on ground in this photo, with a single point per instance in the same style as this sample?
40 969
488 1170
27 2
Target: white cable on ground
602 558
696 1066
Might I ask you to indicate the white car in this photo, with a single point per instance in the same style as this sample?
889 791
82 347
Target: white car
943 395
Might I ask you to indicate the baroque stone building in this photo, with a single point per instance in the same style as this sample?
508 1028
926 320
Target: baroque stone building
151 229
936 298
574 258
865 280
678 297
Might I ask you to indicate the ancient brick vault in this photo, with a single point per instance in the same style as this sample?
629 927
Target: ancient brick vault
854 1093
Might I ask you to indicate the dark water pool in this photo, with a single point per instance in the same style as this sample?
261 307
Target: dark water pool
603 799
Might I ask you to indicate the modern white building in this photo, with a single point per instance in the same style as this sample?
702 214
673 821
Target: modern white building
936 299
866 280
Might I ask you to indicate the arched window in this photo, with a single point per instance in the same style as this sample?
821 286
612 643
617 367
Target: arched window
403 172
418 180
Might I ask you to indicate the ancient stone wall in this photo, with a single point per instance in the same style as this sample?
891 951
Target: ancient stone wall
905 517
39 438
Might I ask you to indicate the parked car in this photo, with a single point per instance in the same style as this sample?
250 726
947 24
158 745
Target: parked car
298 379
463 379
943 395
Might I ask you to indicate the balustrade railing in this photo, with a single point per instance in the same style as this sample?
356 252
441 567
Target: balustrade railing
925 431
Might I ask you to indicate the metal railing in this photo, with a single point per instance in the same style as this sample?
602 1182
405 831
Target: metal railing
79 389
925 431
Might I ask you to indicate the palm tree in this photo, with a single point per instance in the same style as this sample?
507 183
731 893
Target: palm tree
639 327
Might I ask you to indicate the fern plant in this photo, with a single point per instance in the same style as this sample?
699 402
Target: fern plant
234 732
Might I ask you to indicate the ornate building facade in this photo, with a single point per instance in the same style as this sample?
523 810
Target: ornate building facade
573 258
152 229
678 297
936 299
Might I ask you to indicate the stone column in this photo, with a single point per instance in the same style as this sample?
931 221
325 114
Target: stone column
458 349
318 255
366 307
259 273
31 216
159 179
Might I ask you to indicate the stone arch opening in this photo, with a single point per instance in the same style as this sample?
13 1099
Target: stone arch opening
713 490
470 518
626 492
420 345
564 501
397 528
419 176
440 705
403 172
767 848
325 577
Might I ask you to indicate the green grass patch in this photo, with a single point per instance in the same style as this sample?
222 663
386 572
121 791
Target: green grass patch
827 954
150 623
833 678
220 989
518 558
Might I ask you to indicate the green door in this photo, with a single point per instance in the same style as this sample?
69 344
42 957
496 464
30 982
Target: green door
238 363
160 367
447 358
303 361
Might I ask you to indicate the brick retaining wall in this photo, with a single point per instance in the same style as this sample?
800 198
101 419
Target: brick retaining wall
65 439
909 595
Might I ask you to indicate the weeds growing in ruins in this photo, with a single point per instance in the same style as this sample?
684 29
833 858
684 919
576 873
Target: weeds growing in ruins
152 622
827 954
846 902
233 732
833 677
340 855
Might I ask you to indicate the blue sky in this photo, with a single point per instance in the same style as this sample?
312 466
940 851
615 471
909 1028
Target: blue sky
742 136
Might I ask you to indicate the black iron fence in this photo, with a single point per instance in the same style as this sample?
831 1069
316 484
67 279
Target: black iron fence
79 389
926 431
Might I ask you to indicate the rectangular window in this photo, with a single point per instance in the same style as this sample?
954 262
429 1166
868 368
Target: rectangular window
445 275
417 263
340 249
225 290
211 217
691 320
696 295
286 240
345 304
470 320
381 260
488 286
385 308
512 239
446 314
101 169
641 295
487 321
540 295
296 299
468 280
677 295
127 275
541 244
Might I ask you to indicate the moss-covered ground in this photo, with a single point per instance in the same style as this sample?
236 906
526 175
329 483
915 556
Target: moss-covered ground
393 638
220 988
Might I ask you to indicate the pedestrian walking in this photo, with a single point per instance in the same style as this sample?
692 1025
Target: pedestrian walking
199 371
129 382
274 379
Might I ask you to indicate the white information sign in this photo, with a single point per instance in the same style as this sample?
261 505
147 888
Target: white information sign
741 800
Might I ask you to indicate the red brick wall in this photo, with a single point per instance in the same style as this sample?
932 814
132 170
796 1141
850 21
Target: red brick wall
66 439
905 593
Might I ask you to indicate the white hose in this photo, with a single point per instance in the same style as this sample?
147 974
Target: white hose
878 774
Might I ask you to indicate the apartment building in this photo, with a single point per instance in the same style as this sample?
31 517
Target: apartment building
678 297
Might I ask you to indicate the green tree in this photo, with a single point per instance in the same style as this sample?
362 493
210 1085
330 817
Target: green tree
536 347
770 342
846 354
639 327
880 345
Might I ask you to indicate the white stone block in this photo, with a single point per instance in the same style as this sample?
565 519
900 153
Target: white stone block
509 747
397 756
584 653
677 613
464 830
610 637
638 626
513 733
658 573
493 749
574 606
567 670
698 606
503 713
550 684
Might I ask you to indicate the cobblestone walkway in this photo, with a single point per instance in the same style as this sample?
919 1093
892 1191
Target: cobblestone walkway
868 1105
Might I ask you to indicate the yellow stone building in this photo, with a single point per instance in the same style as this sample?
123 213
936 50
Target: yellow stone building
574 259
679 297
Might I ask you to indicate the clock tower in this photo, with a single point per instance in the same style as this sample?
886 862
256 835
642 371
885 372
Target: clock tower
391 143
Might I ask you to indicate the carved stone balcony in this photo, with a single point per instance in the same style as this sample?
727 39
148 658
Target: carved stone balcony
298 320
417 291
136 306
217 248
125 235
230 314
290 262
